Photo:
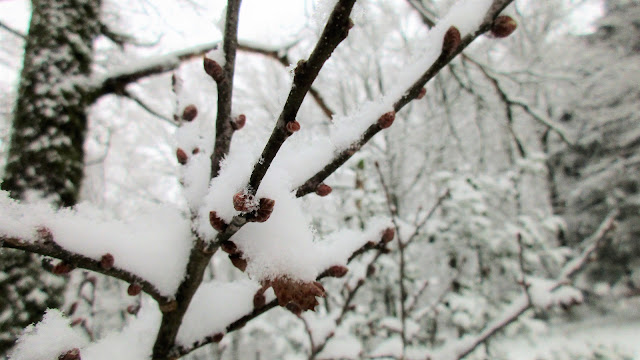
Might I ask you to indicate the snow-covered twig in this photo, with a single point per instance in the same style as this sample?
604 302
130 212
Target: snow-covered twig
305 73
403 99
51 249
224 129
461 348
379 245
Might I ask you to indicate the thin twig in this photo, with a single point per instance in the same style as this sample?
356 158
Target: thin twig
12 31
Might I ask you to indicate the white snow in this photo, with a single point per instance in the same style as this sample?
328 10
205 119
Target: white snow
214 306
134 342
48 339
154 245
343 346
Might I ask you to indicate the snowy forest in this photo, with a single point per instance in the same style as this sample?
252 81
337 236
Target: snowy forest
320 179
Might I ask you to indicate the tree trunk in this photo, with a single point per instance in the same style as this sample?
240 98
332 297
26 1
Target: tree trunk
46 148
50 118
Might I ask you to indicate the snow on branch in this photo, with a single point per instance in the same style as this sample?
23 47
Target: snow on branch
465 22
459 349
239 302
135 250
116 80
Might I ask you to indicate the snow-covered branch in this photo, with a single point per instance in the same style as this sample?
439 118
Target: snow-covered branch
461 348
252 300
408 88
70 260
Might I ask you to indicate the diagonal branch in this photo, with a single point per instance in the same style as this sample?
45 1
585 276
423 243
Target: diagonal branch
51 249
335 31
12 31
285 61
411 93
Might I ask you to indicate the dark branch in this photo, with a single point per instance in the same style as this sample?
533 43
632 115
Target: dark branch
334 33
224 130
285 61
412 92
51 249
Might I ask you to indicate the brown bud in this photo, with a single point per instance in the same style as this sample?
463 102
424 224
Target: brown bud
169 306
452 40
360 282
239 122
323 190
62 268
44 234
264 210
213 69
243 202
337 271
238 262
259 300
133 309
195 151
386 119
388 235
422 93
181 156
106 261
300 67
292 126
217 337
229 247
73 354
216 222
134 289
503 26
350 24
76 322
189 113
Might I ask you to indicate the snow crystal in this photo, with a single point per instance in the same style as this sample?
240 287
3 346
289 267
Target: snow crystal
48 339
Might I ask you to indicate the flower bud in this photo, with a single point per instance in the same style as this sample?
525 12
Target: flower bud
181 156
189 113
213 69
134 289
386 119
292 126
106 261
503 26
451 41
323 190
239 122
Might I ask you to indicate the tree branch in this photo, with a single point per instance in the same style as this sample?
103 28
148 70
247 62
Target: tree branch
285 61
224 130
411 93
51 249
335 31
380 245
465 346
